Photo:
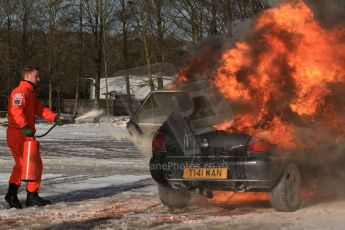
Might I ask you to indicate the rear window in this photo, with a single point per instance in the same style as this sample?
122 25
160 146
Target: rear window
159 106
202 108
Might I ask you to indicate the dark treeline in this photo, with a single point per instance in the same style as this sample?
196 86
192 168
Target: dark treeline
83 38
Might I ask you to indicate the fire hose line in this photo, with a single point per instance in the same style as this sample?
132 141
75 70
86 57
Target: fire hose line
46 133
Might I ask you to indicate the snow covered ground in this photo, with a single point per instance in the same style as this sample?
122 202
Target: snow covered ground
96 178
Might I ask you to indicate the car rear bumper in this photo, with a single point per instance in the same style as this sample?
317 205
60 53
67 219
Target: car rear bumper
243 173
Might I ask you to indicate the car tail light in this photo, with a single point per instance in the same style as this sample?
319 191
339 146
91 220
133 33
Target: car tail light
159 142
258 146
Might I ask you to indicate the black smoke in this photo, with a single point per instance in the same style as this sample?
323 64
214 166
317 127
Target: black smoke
329 13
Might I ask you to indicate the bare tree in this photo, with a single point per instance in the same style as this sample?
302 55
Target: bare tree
93 10
199 19
142 24
188 16
8 19
26 12
53 19
105 71
153 26
98 14
228 18
80 57
158 5
144 31
125 16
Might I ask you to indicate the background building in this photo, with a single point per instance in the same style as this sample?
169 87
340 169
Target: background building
141 81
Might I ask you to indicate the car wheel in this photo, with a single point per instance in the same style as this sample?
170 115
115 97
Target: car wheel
286 195
173 198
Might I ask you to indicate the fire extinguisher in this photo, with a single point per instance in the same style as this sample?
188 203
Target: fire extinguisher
31 155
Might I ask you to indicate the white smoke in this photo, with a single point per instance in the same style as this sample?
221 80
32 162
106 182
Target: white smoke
91 114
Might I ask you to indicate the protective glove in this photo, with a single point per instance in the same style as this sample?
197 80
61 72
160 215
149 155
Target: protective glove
61 120
27 132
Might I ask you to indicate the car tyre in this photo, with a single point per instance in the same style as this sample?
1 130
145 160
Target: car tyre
173 198
286 195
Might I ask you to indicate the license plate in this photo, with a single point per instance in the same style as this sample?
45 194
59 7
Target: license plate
205 173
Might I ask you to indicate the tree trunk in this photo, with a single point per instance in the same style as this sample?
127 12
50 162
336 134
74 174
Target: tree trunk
213 22
124 18
81 49
160 39
228 17
76 97
105 62
58 100
99 45
128 86
106 85
194 24
97 87
9 57
146 47
50 79
147 57
24 34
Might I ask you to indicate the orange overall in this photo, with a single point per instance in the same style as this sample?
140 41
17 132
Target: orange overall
23 105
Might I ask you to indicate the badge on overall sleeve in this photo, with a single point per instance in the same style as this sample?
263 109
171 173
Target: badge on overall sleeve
18 99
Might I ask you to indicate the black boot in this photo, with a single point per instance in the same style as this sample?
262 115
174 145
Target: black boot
11 196
34 199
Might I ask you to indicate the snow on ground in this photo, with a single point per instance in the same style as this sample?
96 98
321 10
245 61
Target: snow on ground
96 178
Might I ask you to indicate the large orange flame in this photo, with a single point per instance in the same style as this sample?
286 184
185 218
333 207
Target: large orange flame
238 197
287 70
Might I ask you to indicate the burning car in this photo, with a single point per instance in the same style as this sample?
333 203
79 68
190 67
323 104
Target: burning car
190 155
276 108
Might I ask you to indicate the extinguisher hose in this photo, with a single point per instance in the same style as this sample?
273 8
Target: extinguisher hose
38 136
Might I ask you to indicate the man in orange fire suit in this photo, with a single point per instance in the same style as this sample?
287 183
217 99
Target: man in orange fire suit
23 106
